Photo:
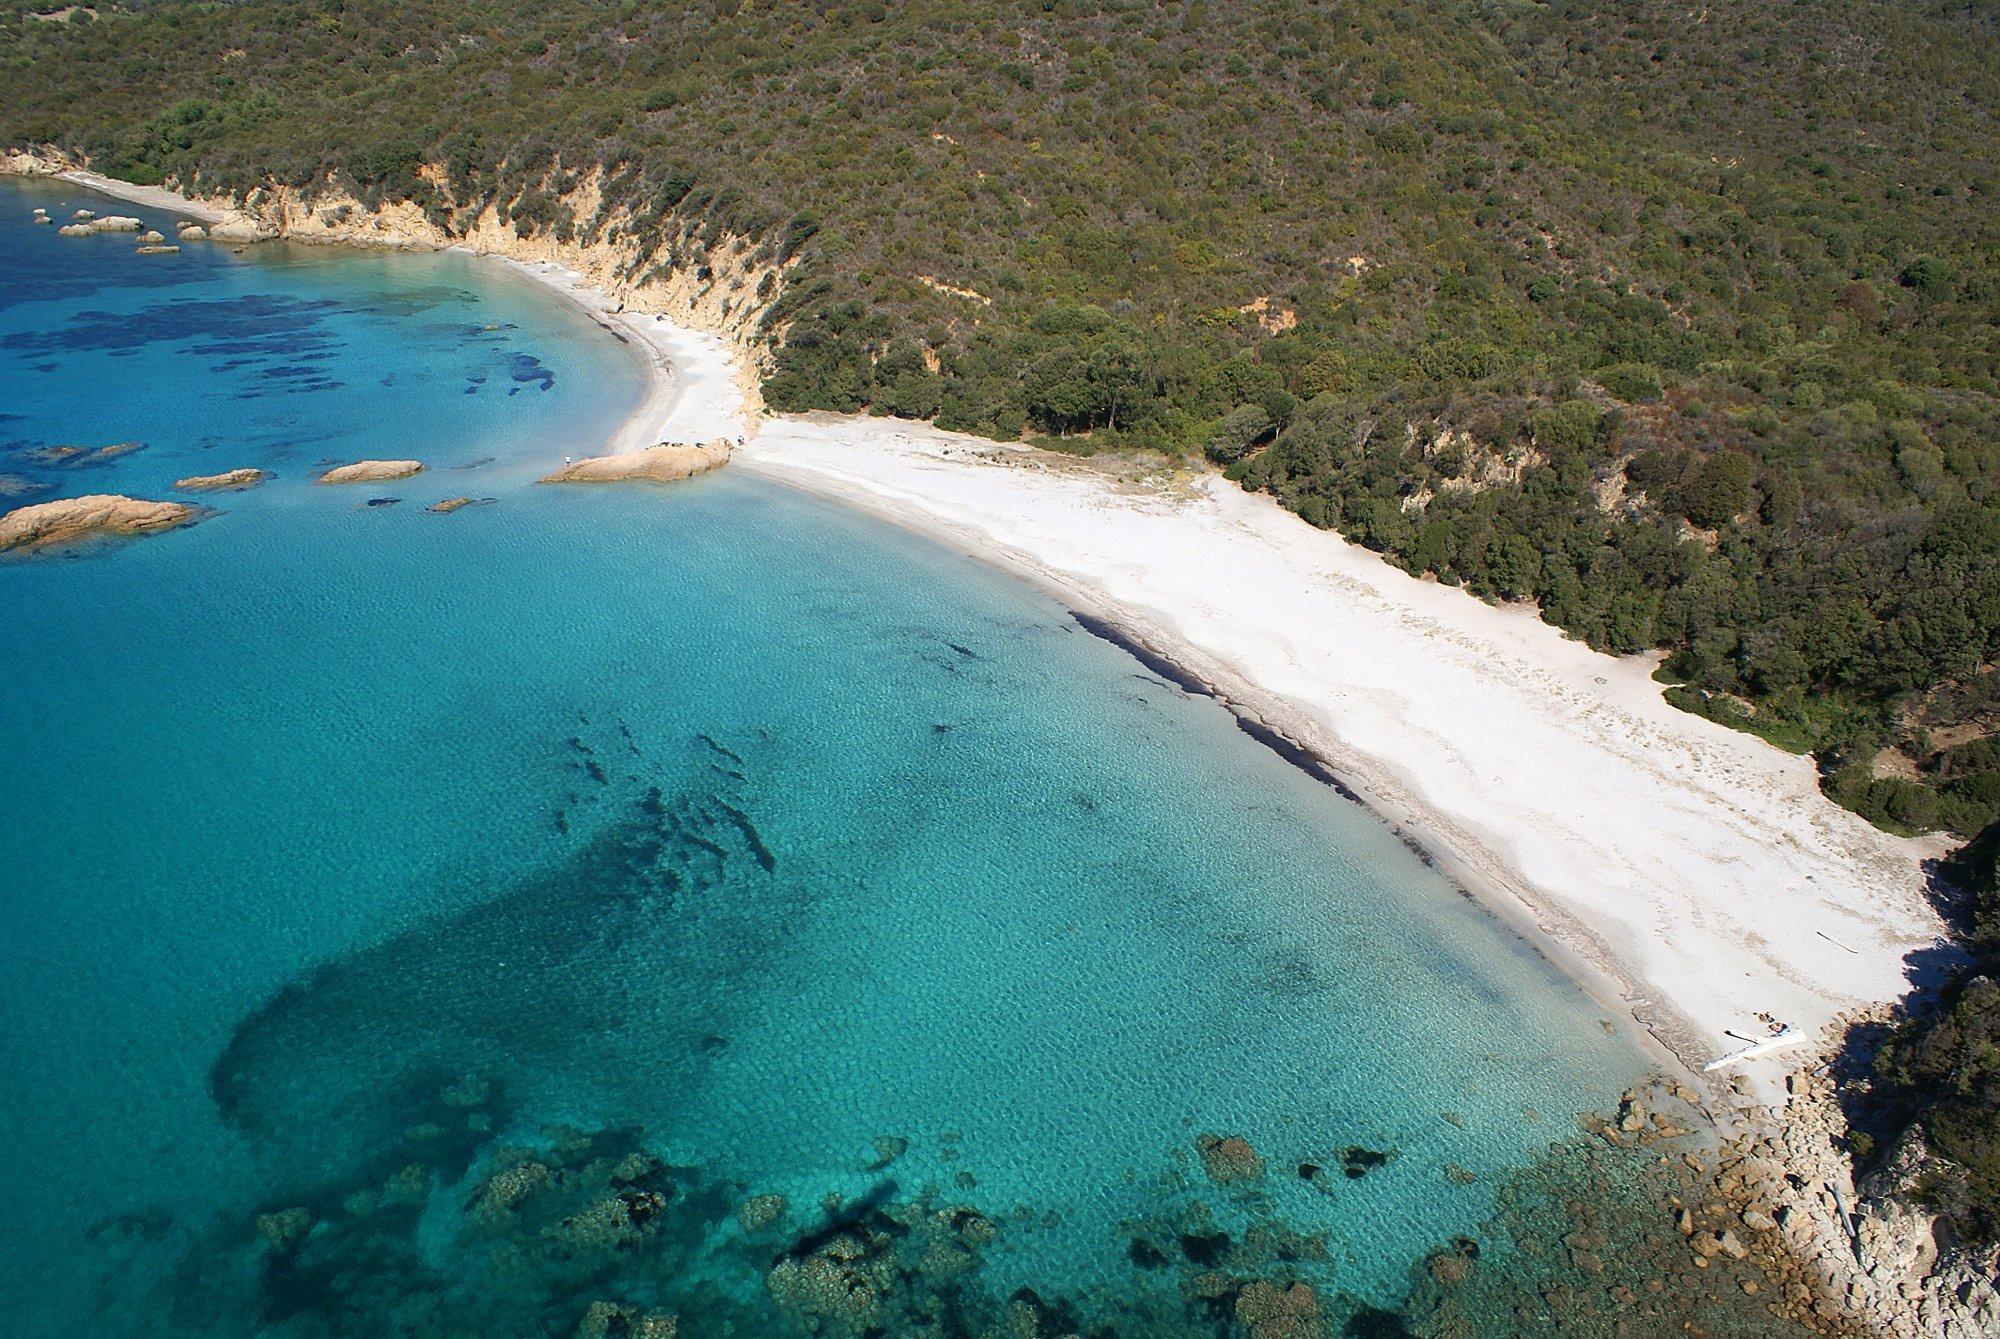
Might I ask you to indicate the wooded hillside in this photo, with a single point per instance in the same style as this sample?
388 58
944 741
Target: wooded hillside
1678 319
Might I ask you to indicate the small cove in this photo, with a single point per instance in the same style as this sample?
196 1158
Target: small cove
720 826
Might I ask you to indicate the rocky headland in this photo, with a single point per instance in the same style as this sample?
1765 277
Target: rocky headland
372 471
229 481
74 520
655 464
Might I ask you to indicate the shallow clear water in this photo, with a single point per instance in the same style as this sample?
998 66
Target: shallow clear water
345 839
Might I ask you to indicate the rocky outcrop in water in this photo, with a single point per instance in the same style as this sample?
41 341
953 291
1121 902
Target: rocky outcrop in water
371 471
232 481
452 504
89 226
656 464
74 520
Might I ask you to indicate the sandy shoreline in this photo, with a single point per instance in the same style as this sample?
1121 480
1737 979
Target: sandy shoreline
1689 875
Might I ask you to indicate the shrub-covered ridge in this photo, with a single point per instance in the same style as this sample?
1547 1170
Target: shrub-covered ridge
1678 321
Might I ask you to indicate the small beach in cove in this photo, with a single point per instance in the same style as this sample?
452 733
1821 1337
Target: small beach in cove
1693 873
682 665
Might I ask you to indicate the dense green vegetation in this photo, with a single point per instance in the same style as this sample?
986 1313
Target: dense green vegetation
1679 320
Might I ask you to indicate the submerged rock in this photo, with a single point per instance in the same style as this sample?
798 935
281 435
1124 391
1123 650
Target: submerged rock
157 251
1268 1311
371 471
72 457
888 1148
74 519
1357 1161
506 1189
611 1320
656 464
760 1211
284 1228
1229 1159
227 481
837 1290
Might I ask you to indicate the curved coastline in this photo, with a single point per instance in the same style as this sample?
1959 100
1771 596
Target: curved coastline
692 389
697 388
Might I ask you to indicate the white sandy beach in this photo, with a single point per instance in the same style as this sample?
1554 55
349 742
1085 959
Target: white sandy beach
1697 868
1695 871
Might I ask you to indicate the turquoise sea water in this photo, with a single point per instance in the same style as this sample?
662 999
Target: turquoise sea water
418 923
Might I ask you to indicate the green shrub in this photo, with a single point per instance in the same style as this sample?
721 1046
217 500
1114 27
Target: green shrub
1633 382
1239 430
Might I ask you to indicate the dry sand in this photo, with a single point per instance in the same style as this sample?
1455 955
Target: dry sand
1695 871
1697 867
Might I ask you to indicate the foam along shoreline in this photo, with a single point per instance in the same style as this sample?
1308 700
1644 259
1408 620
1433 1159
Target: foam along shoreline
1690 873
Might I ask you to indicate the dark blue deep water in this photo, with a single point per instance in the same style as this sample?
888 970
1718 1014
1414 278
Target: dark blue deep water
445 924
